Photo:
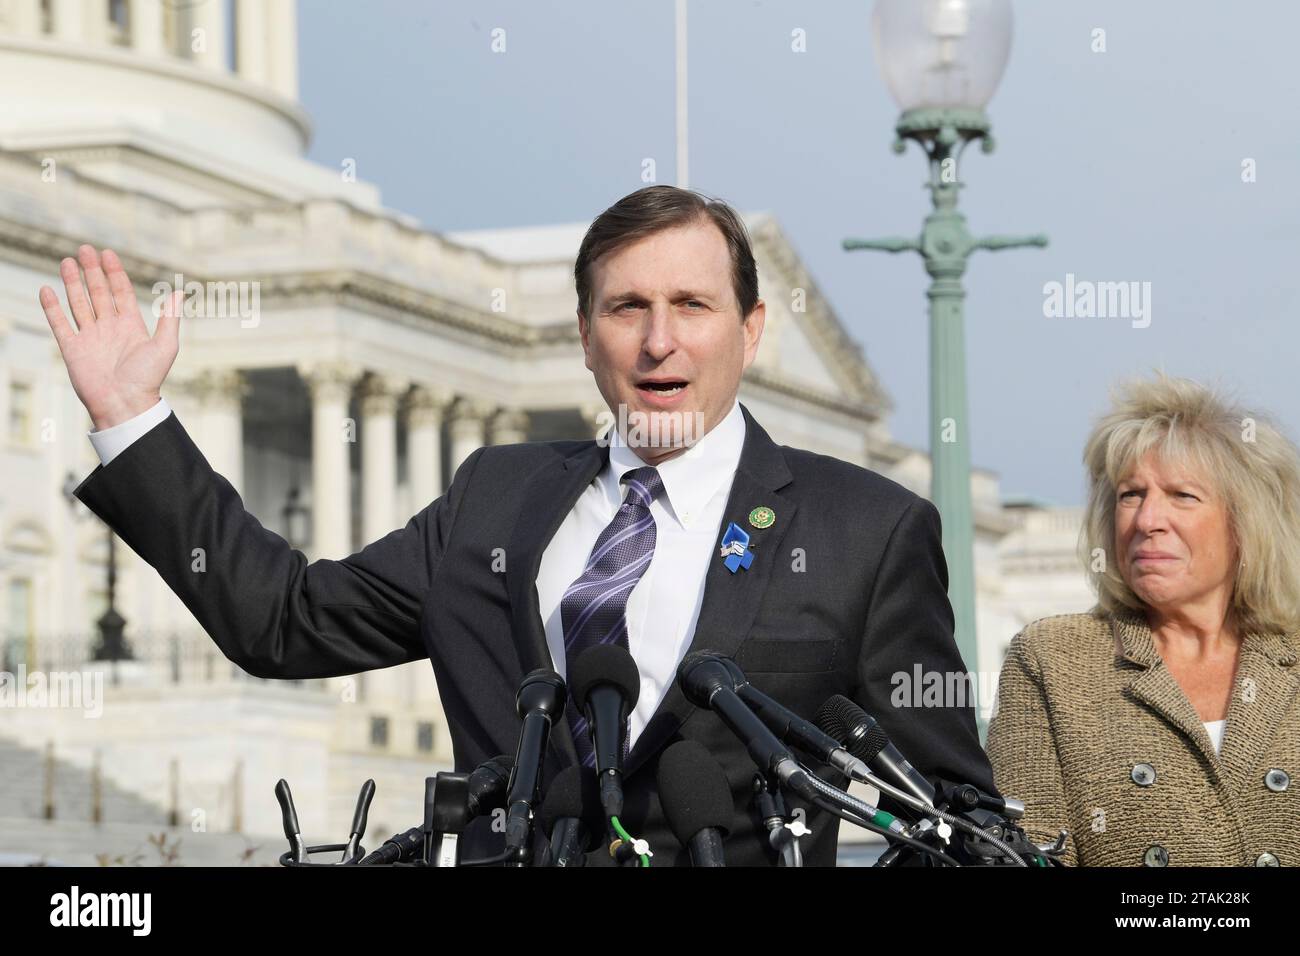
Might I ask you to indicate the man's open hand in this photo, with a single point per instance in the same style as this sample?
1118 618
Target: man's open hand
116 367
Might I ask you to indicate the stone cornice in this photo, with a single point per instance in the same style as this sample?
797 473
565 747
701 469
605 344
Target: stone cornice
816 399
171 67
426 309
833 343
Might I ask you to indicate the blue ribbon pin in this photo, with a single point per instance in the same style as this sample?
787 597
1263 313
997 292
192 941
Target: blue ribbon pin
735 545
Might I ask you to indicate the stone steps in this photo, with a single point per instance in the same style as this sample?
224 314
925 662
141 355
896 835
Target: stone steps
22 789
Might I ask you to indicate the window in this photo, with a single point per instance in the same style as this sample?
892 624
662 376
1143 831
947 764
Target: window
424 736
20 630
20 413
379 732
119 23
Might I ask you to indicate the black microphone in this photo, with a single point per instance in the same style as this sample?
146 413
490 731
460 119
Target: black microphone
867 740
790 727
569 812
708 682
696 799
488 784
398 849
540 701
606 685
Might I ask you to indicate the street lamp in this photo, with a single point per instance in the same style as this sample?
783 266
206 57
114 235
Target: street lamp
296 517
112 646
942 61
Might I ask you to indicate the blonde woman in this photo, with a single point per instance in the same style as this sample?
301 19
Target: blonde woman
1162 728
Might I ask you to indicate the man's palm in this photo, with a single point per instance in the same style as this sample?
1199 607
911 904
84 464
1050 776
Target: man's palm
116 367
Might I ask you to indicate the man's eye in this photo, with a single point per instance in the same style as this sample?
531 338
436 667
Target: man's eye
1125 494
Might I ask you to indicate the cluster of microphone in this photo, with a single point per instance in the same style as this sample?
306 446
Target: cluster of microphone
581 810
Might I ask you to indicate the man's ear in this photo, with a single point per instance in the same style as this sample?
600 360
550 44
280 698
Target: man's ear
753 330
584 330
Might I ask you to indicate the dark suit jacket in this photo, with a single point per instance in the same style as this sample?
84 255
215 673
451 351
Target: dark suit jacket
847 587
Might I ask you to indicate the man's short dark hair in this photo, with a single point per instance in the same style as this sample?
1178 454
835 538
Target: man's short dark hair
653 209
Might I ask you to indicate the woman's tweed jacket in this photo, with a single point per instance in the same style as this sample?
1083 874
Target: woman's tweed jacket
1096 736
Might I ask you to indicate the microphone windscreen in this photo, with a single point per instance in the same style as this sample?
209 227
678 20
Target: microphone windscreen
573 793
693 791
852 726
604 664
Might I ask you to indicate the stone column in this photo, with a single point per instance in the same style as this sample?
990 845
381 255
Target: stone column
509 426
332 431
96 23
221 394
145 19
425 410
379 397
25 15
68 20
468 419
251 40
282 47
210 17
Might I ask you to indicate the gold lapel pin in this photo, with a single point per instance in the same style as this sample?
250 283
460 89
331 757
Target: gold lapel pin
762 517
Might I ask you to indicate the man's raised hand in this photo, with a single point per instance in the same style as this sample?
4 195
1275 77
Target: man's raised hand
116 367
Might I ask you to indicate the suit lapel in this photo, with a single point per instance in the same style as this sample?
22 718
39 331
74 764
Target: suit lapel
1157 688
1263 689
548 497
1262 692
730 600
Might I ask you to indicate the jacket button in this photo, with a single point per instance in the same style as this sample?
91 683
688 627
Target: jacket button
1156 856
1267 859
1277 780
1143 774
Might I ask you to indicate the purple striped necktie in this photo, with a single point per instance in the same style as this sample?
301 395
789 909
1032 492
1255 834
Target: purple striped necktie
594 608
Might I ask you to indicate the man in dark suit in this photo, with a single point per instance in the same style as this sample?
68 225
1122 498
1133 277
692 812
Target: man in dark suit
529 557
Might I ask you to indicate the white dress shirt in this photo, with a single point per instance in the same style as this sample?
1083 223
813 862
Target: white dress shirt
1215 729
697 484
111 442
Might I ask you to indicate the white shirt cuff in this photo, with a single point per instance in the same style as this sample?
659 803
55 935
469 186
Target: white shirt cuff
111 442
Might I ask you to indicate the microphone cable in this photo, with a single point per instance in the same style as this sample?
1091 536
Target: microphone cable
640 847
857 807
843 805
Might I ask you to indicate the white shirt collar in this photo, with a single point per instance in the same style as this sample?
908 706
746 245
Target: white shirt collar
693 477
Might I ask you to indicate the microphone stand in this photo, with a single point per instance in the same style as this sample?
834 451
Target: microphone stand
782 833
299 854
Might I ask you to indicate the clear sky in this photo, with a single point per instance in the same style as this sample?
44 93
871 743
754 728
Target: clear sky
1130 159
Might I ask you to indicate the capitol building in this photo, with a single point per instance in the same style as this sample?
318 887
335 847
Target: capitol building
129 124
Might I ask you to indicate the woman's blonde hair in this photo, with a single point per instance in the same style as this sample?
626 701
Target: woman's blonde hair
1242 456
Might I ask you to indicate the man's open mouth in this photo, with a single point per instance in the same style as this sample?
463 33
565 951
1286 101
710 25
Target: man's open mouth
666 387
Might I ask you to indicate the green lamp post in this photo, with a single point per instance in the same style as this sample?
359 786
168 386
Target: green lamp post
942 60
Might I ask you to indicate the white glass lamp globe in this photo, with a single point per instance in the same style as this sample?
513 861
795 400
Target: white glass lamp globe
942 54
